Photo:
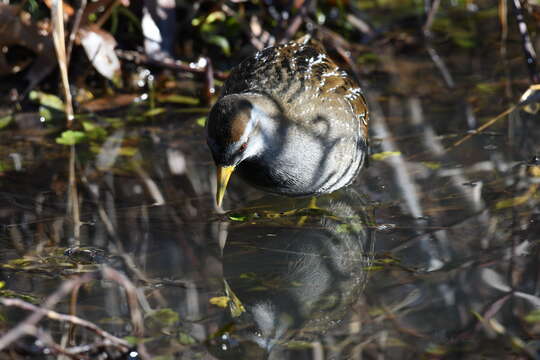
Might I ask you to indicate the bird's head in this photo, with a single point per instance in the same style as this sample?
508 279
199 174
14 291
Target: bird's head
234 134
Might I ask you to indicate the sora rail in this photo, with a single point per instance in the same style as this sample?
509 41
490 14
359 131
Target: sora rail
289 121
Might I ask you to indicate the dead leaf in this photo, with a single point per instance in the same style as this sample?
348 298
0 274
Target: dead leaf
99 47
109 103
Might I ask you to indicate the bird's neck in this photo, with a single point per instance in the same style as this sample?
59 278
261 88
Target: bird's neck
264 125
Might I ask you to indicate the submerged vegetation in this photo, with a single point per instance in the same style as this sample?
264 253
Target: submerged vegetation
112 247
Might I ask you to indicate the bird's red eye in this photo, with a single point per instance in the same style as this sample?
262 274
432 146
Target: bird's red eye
243 146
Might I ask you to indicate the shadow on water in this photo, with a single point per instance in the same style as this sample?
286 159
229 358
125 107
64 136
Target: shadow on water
292 272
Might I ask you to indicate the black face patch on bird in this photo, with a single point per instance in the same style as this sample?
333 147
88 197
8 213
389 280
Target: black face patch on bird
227 123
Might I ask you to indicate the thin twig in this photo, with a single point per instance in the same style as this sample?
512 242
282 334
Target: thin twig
483 127
75 28
106 14
209 86
430 17
168 63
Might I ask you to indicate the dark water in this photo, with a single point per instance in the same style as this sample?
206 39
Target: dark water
433 252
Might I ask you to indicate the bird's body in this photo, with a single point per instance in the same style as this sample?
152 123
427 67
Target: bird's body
290 121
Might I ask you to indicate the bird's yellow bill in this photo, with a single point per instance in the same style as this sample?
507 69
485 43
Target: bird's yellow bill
223 175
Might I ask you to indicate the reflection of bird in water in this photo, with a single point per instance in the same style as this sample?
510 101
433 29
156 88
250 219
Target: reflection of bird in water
290 121
287 282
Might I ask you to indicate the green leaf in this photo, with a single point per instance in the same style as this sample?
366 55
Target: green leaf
179 99
186 339
70 137
165 316
93 131
49 100
201 121
215 16
533 317
385 154
237 217
433 165
50 105
435 349
5 121
220 41
220 301
133 340
154 112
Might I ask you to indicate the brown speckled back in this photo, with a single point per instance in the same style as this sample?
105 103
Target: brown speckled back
304 81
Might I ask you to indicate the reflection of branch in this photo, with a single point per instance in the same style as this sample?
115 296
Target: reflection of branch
73 198
528 49
483 127
47 340
131 292
439 63
167 63
39 313
431 11
33 319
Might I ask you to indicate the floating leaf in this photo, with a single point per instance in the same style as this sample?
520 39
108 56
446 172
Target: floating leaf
133 340
178 99
486 88
186 339
71 137
93 131
220 301
385 154
128 151
435 349
534 171
533 317
517 342
297 344
5 121
49 100
164 317
235 305
373 268
15 295
50 105
201 121
237 217
154 112
433 165
518 200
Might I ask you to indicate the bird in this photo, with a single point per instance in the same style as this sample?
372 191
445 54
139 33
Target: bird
289 121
